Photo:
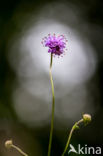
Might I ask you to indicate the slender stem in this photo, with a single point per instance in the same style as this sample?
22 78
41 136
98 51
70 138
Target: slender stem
53 106
70 135
19 150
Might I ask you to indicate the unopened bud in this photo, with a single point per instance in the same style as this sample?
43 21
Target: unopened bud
86 118
8 144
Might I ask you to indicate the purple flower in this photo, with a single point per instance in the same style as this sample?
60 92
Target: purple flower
56 44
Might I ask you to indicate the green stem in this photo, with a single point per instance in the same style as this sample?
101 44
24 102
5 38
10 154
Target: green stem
19 150
70 135
53 106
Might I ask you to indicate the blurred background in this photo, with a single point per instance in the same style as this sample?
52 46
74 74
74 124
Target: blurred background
25 91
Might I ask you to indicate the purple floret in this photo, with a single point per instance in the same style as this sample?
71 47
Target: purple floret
56 44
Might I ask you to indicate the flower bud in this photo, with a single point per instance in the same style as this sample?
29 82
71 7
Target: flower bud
86 118
8 144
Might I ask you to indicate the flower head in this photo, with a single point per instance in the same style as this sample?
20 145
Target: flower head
56 44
